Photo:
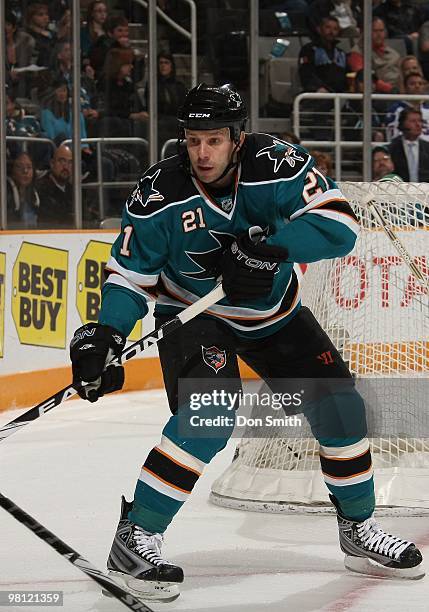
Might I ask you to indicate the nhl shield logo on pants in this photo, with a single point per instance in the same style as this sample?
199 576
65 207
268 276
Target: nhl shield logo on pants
214 357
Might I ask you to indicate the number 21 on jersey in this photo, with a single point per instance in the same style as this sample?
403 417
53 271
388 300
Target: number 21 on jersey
193 219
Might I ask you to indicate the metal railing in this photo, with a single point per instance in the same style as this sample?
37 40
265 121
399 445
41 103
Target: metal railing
338 144
99 183
34 139
165 146
192 35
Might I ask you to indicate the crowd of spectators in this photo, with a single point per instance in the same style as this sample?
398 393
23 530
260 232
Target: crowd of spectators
114 103
115 97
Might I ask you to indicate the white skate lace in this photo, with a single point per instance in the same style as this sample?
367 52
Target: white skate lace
149 546
374 538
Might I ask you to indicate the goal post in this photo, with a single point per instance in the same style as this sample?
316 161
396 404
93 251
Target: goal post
376 311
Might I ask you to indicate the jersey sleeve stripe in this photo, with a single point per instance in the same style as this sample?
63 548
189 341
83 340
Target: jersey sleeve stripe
338 216
117 279
142 280
340 206
332 195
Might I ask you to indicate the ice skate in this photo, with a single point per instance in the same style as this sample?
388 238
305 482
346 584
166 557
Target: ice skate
135 561
369 550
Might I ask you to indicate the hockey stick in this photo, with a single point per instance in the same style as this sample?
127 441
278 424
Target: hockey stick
415 270
134 349
74 557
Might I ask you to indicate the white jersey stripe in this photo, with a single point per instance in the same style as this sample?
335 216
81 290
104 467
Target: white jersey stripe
345 452
181 456
345 482
326 196
117 279
143 280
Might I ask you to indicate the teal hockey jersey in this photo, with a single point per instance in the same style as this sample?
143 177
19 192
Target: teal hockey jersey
174 231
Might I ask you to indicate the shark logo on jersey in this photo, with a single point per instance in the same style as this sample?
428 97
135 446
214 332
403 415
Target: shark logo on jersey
207 261
215 358
145 191
280 152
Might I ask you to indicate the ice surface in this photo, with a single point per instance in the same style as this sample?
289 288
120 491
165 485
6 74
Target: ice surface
69 468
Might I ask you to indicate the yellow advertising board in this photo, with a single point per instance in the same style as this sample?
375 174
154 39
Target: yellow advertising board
39 295
90 277
2 299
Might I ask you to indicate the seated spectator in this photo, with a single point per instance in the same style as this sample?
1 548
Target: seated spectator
23 201
37 21
408 64
62 67
402 18
55 191
414 85
322 65
117 36
96 16
324 162
17 124
57 124
171 95
424 48
57 114
122 112
347 12
385 60
20 52
382 165
322 68
410 153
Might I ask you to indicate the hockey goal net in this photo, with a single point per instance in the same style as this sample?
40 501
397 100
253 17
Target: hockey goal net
377 314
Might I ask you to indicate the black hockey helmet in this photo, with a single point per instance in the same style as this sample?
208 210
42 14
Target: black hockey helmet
210 108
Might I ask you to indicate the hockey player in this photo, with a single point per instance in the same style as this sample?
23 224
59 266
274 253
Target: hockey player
187 222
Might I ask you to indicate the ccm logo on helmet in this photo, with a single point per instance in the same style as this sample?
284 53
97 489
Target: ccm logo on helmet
200 115
250 261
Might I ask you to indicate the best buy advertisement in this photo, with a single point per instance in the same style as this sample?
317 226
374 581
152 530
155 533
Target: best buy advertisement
39 295
90 278
50 284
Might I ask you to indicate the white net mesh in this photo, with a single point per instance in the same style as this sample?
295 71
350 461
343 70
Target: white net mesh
377 314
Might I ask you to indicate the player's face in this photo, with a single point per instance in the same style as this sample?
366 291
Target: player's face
209 151
381 165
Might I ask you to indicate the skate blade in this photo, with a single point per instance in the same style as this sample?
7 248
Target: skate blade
146 590
363 565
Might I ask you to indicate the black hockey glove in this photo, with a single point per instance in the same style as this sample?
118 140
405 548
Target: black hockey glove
248 268
92 346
